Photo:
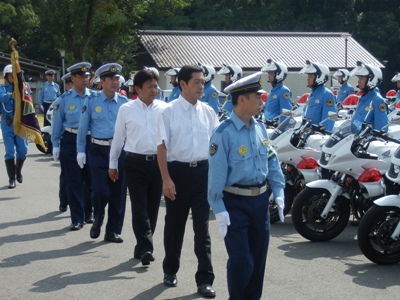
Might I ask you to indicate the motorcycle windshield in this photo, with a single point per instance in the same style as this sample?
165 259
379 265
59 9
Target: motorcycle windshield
288 123
343 131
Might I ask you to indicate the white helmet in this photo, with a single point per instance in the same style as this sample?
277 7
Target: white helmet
373 73
342 73
7 69
154 70
172 72
396 77
234 71
121 80
209 72
321 71
280 70
129 82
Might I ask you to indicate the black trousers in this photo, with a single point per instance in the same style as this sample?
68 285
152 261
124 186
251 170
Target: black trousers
143 179
191 194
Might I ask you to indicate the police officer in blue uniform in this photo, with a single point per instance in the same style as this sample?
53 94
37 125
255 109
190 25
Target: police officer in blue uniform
346 89
371 106
48 93
210 93
241 162
280 96
396 78
321 99
99 114
176 91
67 112
62 193
232 73
15 146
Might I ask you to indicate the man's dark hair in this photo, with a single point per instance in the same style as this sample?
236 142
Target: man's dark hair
144 75
186 71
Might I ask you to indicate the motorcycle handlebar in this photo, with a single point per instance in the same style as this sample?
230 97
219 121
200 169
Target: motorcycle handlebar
383 135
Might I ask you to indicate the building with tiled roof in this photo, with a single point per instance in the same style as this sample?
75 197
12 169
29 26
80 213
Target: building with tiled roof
250 50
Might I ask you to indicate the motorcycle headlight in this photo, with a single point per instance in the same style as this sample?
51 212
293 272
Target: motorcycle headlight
396 169
327 156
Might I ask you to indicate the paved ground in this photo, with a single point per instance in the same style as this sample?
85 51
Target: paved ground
41 259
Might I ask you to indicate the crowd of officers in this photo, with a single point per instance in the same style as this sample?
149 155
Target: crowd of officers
106 144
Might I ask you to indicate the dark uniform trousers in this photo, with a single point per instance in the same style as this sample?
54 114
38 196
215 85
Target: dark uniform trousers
145 187
74 177
105 191
62 194
191 194
247 242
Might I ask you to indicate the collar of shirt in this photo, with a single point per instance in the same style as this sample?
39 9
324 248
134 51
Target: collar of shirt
278 86
143 105
185 103
104 97
239 124
75 93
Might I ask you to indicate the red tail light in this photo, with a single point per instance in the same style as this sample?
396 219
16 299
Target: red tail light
370 175
307 163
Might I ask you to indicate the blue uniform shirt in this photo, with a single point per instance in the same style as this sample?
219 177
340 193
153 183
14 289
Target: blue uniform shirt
319 103
280 97
344 91
210 96
160 94
7 105
99 115
67 112
228 105
397 97
241 155
176 91
372 109
48 92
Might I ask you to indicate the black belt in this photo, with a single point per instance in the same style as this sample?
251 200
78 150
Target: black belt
145 157
192 164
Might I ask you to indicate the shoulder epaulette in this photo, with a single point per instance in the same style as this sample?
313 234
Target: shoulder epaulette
65 93
223 125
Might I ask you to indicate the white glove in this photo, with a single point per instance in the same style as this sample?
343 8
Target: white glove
280 202
81 158
56 153
223 222
42 108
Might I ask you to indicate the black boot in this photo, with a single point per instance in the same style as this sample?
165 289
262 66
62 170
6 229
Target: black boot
18 168
10 166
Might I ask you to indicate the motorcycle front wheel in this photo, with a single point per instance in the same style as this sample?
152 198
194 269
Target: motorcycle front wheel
290 193
306 215
374 233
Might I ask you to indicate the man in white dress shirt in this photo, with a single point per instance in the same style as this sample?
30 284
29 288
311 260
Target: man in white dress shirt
136 127
185 128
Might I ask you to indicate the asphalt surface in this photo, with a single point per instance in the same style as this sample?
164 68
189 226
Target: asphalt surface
41 259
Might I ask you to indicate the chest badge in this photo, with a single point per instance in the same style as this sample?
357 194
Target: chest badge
317 101
275 96
242 150
98 109
265 143
71 107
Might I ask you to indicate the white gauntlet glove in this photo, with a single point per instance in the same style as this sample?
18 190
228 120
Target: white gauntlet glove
56 153
81 158
280 202
223 222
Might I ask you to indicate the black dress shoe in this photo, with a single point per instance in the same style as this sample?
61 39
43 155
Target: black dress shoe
75 227
170 280
206 290
146 258
112 237
89 219
95 231
62 208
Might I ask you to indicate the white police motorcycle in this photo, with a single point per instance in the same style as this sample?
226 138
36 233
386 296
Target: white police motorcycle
46 132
